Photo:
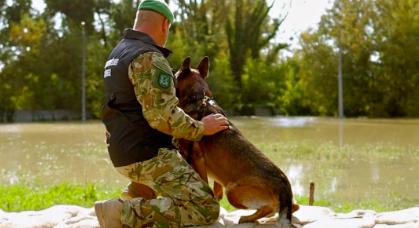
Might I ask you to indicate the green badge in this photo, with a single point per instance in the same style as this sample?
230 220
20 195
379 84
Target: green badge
164 80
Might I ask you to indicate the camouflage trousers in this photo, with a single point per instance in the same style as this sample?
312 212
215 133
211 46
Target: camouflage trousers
183 198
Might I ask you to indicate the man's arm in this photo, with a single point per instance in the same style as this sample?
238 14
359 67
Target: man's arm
153 83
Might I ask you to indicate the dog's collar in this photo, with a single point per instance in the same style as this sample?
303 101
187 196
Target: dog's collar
199 106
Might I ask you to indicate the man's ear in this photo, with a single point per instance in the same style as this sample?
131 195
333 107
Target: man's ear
165 27
203 67
186 65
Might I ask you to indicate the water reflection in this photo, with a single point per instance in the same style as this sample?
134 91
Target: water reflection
293 121
341 131
333 185
12 177
375 172
295 175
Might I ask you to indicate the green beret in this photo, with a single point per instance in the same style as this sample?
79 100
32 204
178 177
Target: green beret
157 6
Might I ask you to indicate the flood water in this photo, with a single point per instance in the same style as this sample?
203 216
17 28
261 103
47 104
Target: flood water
354 160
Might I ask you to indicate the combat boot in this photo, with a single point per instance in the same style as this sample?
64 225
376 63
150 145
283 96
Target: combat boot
108 213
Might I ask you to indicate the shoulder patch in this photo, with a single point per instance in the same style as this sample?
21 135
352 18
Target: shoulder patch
161 63
164 80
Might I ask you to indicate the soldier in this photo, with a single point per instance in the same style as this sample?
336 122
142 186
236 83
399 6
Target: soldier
141 117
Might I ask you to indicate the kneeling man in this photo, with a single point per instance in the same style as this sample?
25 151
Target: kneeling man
141 117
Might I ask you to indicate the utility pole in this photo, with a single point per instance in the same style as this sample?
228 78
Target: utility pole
83 71
340 86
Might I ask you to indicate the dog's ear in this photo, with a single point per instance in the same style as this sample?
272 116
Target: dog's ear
186 65
185 69
203 67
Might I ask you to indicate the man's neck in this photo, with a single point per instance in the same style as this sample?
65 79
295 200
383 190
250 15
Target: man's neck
151 33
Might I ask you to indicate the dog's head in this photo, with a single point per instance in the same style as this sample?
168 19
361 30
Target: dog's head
190 83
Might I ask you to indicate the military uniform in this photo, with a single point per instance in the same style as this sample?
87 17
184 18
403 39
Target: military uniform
185 199
141 115
153 82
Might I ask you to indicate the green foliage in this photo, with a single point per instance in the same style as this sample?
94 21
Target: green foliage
262 84
97 54
122 16
21 197
41 59
396 32
178 42
317 74
248 31
377 42
41 55
201 27
220 81
292 99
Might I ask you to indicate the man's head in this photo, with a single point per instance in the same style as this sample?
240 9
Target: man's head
154 18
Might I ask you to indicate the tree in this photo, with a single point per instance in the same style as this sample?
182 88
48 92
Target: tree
122 16
377 41
318 69
201 25
249 31
10 50
396 32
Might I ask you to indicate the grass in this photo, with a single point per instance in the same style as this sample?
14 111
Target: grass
21 197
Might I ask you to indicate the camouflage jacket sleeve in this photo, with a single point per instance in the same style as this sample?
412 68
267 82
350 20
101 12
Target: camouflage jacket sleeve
153 83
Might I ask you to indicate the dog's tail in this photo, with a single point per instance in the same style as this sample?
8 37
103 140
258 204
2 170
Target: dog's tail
285 204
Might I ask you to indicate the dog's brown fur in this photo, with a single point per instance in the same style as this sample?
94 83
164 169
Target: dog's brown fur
250 179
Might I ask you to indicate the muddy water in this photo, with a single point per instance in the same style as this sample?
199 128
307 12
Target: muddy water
355 160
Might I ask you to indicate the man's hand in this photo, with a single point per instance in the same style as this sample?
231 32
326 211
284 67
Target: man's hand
214 123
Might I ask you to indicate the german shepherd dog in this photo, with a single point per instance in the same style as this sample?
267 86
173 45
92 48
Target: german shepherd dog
250 179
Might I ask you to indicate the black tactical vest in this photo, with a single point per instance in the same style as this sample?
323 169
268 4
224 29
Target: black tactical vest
131 137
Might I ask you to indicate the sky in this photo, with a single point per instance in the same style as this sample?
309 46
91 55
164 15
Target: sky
302 15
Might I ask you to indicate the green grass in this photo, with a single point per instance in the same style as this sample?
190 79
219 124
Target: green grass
21 197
